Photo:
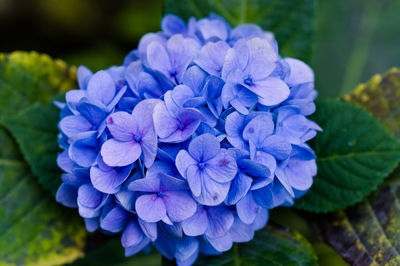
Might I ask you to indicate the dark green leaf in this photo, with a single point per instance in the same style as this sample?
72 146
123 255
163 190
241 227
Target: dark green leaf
290 21
34 229
270 246
369 233
26 79
35 130
354 154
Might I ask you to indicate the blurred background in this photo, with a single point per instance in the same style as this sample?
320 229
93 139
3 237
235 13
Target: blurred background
353 39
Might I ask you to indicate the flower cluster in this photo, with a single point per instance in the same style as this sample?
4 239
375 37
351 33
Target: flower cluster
190 142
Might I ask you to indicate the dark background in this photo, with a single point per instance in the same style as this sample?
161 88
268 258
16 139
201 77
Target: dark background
353 39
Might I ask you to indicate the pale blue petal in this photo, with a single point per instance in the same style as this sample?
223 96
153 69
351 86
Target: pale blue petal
220 220
117 153
247 209
212 56
179 204
197 224
101 87
147 184
204 147
150 208
132 234
239 187
67 195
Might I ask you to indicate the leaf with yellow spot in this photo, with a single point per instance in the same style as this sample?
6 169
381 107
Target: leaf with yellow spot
34 229
369 232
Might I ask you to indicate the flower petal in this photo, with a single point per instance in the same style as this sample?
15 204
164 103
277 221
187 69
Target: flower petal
212 193
150 208
180 205
89 197
158 58
183 161
67 195
94 113
147 184
132 234
116 153
114 220
122 125
132 250
197 224
259 128
149 229
212 56
181 51
164 123
221 244
204 147
220 220
74 124
171 24
271 91
247 209
239 187
241 232
83 151
101 87
194 178
221 168
109 181
234 125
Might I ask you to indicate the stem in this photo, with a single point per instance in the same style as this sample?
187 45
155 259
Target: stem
236 259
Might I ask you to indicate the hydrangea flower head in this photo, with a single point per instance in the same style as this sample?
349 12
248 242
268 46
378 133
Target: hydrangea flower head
188 144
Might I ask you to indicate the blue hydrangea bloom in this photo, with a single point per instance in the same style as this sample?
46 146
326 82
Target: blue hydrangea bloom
191 141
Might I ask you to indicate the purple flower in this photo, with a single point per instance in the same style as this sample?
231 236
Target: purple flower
212 56
214 222
133 135
90 201
207 168
250 63
167 198
109 179
189 143
178 126
293 126
172 59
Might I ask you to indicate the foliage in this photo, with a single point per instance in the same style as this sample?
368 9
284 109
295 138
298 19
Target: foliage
34 229
271 246
351 161
369 233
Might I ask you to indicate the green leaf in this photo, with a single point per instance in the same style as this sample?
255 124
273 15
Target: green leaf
29 77
369 233
112 253
271 246
34 229
26 79
354 154
35 130
290 21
